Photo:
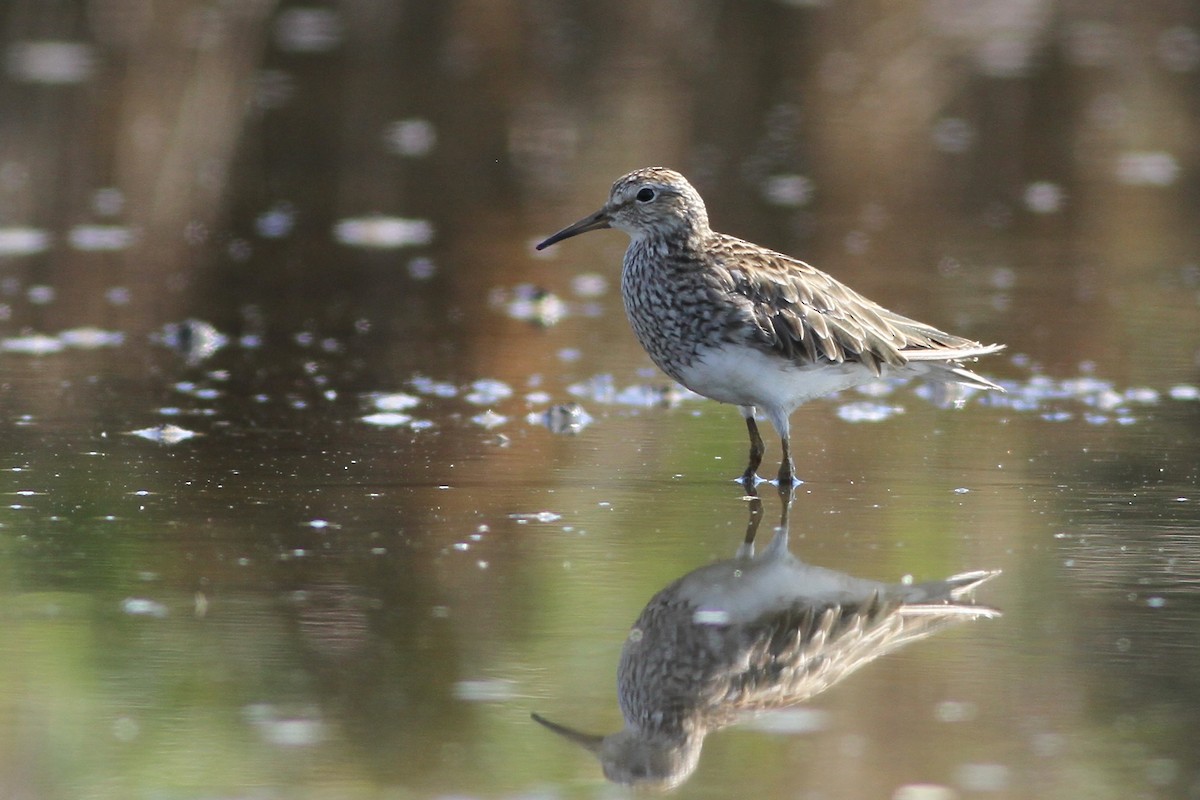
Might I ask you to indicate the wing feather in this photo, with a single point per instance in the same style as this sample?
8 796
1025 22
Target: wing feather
810 317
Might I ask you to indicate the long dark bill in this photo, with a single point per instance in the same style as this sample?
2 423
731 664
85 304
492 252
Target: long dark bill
587 741
593 222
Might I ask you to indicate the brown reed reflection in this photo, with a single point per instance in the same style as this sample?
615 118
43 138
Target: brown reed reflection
751 634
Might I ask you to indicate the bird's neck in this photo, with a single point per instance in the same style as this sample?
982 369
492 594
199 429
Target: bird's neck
659 243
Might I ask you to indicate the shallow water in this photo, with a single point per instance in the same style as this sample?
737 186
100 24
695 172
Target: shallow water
289 513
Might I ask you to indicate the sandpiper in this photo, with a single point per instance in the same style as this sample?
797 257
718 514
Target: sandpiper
754 634
742 324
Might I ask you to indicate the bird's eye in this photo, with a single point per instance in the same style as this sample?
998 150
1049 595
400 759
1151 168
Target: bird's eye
645 194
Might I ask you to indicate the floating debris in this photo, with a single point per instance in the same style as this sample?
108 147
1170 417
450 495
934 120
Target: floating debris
383 233
164 434
602 389
489 419
91 338
195 339
565 418
486 391
530 303
429 386
387 419
394 401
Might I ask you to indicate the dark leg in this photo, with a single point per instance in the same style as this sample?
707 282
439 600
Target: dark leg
757 448
787 478
756 515
785 504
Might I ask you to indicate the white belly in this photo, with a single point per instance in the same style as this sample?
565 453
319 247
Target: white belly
746 376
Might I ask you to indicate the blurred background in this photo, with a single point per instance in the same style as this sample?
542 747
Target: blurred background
285 518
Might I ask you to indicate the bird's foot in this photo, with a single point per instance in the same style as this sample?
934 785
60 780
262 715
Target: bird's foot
787 479
750 481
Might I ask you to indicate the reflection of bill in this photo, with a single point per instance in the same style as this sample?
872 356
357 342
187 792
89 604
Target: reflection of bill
751 634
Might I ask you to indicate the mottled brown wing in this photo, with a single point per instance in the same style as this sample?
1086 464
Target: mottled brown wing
808 316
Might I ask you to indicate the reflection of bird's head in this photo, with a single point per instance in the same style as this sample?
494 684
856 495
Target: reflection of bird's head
634 759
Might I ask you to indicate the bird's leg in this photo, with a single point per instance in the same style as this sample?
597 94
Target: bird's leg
786 495
786 476
757 448
756 515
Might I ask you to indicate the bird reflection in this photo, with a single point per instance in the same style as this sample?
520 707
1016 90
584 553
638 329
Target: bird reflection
751 634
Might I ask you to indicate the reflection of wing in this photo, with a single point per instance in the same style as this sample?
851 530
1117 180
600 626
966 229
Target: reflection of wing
802 652
712 647
809 316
